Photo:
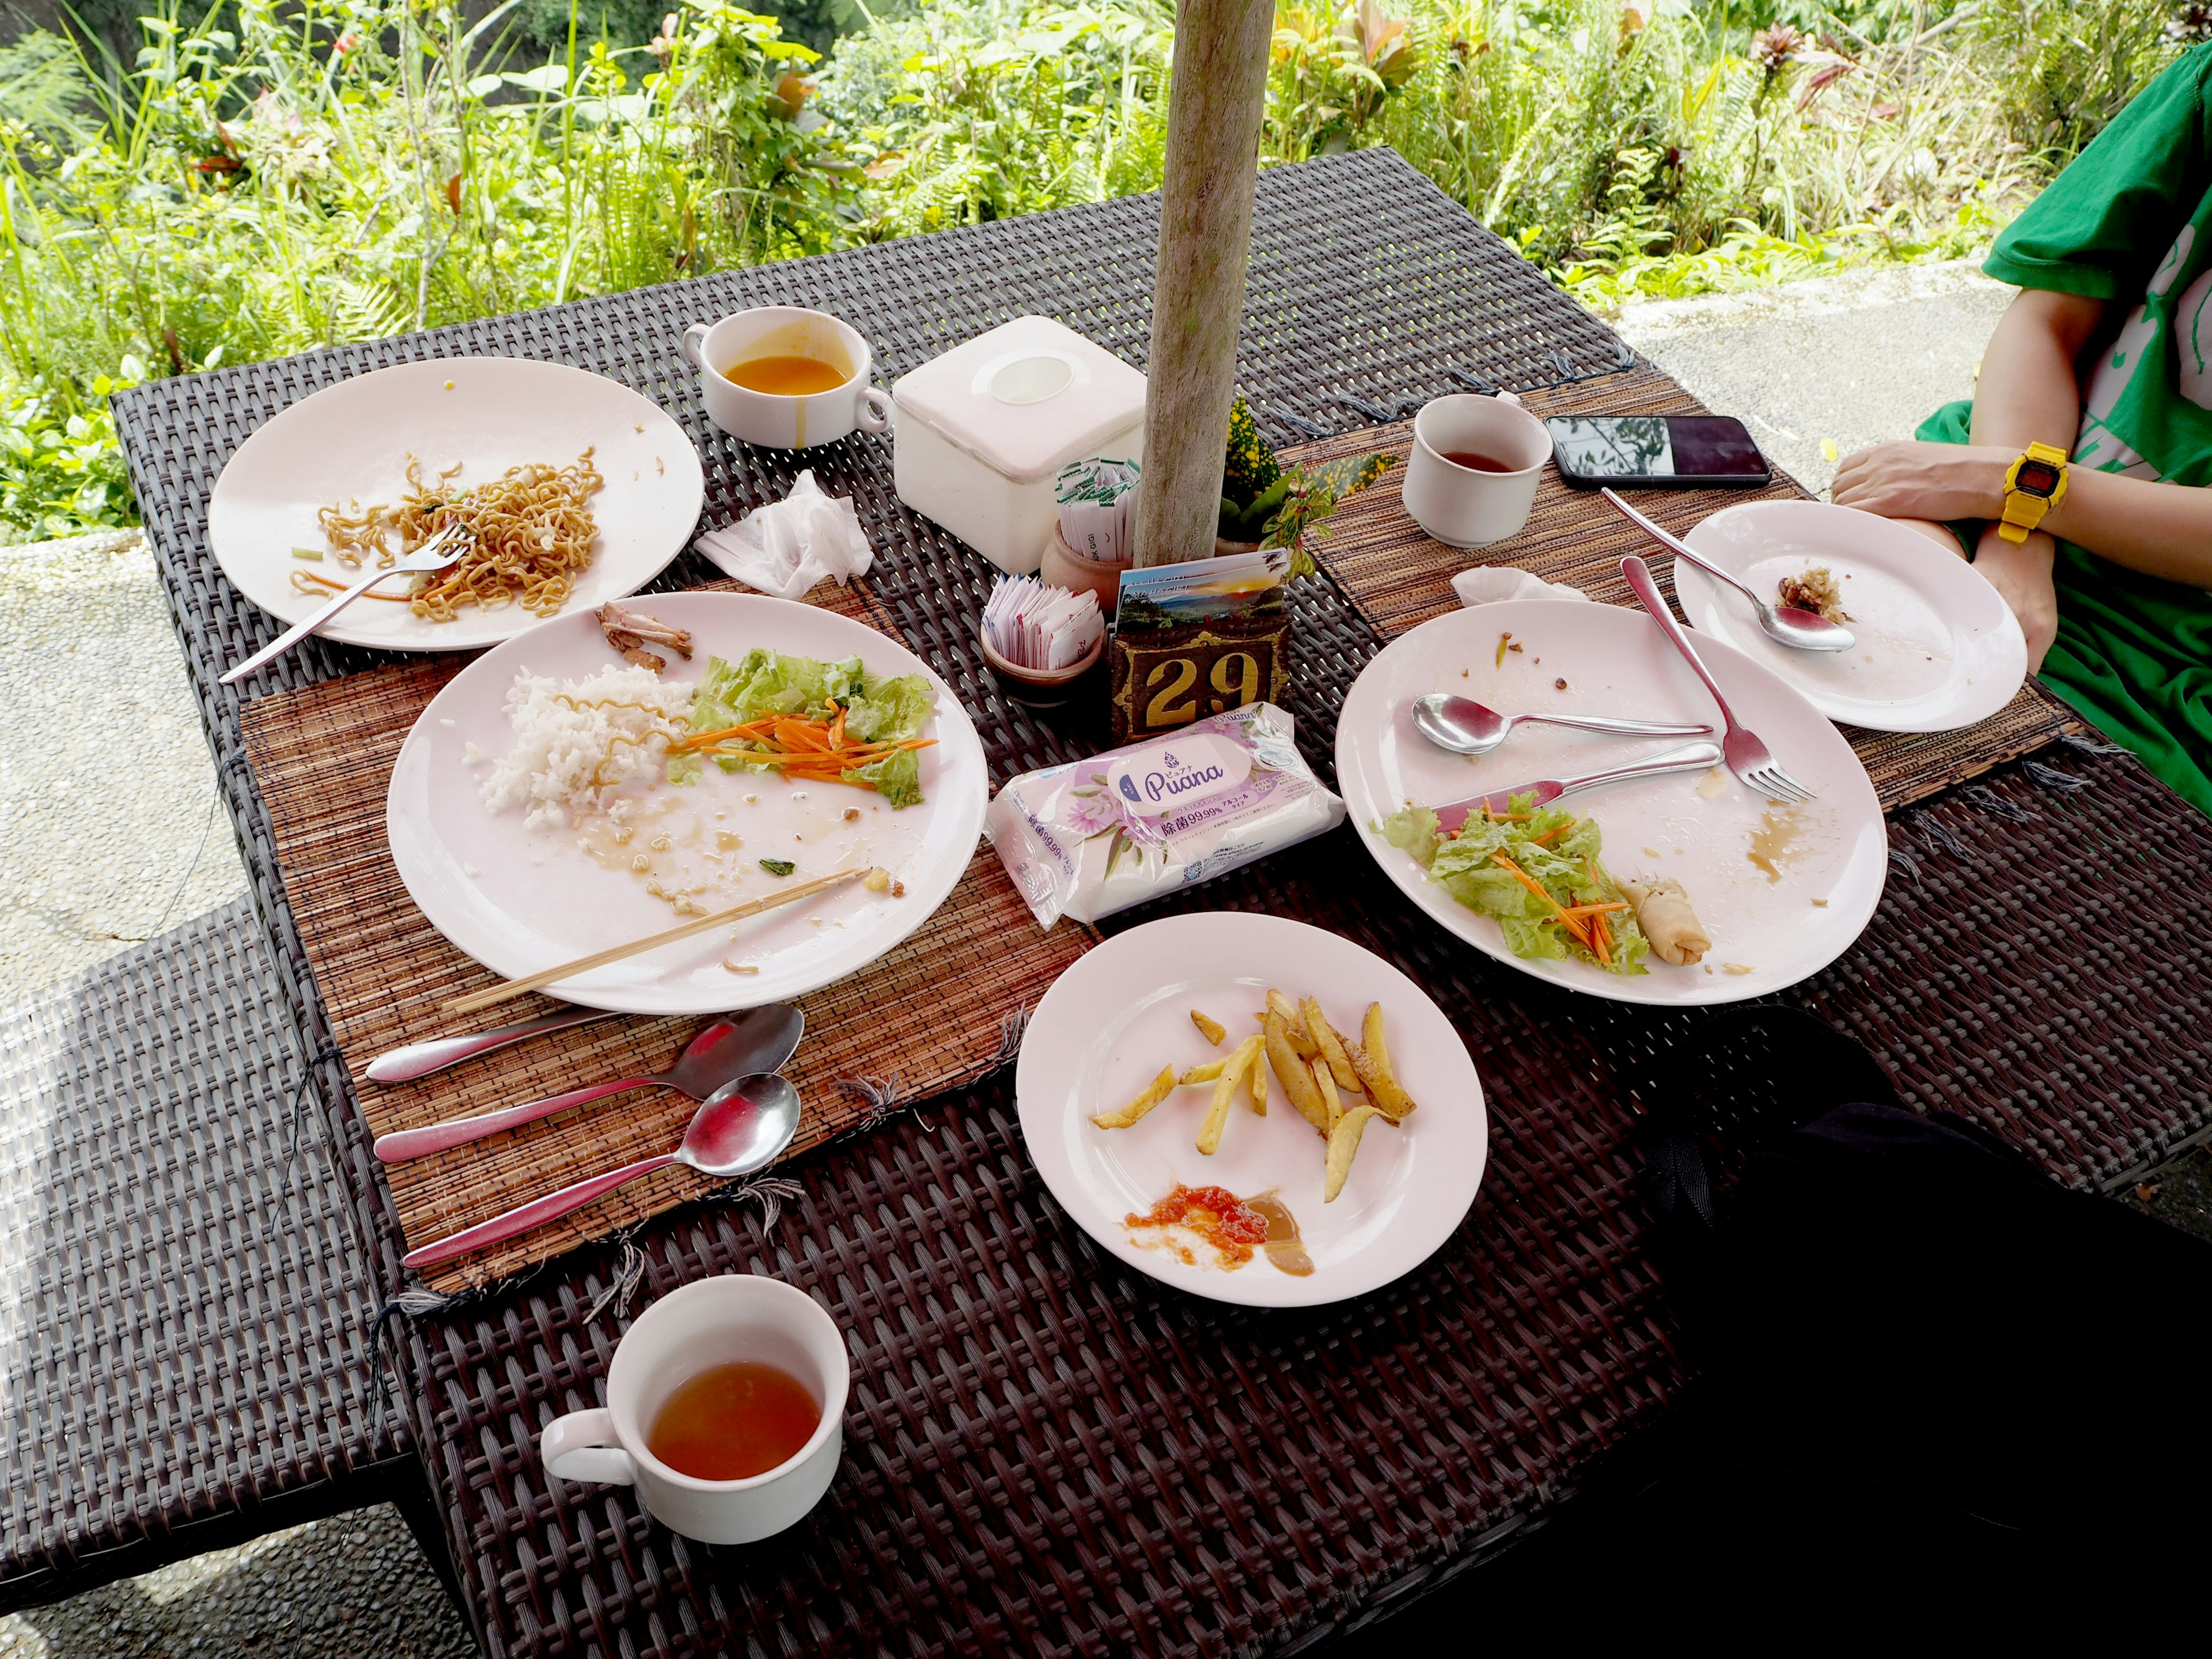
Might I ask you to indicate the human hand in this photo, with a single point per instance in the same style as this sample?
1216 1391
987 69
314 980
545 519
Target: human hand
1910 480
2021 572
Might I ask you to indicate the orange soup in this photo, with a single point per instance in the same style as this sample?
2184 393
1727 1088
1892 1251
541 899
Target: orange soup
785 377
734 1421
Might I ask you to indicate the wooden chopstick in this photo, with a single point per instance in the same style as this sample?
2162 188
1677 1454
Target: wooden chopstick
515 987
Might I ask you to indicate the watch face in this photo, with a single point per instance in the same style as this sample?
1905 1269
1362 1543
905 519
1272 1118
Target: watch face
2036 479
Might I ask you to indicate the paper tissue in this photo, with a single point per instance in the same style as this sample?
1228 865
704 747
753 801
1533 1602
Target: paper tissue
785 548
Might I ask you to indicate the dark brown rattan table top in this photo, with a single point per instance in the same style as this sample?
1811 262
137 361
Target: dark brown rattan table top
1047 1453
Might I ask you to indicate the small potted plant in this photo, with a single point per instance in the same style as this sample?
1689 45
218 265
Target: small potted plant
1264 506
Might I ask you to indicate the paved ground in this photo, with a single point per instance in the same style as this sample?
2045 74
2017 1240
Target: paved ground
107 828
108 831
1819 369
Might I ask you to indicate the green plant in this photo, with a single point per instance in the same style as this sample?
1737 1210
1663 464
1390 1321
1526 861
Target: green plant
266 176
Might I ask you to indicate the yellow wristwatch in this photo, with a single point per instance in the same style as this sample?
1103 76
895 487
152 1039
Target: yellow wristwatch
2034 484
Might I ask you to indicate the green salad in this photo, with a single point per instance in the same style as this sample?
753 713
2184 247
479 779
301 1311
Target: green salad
1536 871
806 718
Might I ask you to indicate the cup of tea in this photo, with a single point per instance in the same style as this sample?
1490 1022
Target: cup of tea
1472 476
786 379
726 1408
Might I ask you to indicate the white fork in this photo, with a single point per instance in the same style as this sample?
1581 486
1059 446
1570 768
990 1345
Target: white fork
1752 761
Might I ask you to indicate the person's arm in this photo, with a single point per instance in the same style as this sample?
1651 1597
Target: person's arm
2027 393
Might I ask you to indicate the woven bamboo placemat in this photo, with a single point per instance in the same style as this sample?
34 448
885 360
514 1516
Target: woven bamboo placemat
932 1013
1400 576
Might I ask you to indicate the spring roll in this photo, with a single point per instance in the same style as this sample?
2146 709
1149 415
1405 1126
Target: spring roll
1662 909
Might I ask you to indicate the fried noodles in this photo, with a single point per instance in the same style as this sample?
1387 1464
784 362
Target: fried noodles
531 537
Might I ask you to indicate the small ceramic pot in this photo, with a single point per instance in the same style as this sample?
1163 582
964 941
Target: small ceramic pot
1041 687
1064 567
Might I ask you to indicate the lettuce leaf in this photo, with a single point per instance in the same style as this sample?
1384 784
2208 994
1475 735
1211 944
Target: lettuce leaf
1557 849
878 708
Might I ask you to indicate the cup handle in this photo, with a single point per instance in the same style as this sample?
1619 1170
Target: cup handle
874 410
581 1447
694 344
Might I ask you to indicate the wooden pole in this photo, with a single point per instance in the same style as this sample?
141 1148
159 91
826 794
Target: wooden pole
1214 111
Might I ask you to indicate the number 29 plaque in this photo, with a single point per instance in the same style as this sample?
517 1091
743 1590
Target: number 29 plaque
1165 679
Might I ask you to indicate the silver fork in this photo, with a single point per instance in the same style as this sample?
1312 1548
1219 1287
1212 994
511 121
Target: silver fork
1752 761
438 553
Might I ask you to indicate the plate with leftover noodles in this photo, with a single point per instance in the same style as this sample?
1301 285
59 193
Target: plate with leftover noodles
1937 646
604 778
1252 1109
576 491
1681 888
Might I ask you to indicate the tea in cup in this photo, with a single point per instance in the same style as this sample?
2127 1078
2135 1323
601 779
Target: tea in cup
785 378
726 1406
1471 477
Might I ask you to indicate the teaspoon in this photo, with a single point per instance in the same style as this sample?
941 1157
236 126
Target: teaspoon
1467 727
741 1129
1785 624
757 1040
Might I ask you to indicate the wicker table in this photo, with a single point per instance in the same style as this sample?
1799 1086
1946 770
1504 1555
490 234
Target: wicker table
1047 1453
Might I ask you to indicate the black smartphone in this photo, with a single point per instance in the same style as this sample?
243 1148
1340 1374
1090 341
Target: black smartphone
1656 452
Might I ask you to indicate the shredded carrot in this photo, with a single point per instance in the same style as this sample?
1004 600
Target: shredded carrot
799 746
1603 936
1573 924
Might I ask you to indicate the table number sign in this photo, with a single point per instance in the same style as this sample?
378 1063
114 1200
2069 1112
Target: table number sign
1195 639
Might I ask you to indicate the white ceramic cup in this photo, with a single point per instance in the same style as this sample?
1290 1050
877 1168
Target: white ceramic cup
770 419
711 1322
1458 505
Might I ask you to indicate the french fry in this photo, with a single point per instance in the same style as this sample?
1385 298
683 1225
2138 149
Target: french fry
1290 1071
1158 1091
1205 1073
1294 1024
1326 1041
1329 1099
1256 1080
1224 1090
1209 1028
1371 1058
1344 1146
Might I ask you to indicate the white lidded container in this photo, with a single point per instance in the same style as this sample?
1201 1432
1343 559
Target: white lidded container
979 435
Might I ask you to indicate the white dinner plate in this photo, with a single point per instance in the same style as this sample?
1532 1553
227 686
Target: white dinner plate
351 442
520 900
1113 1019
1938 647
1773 923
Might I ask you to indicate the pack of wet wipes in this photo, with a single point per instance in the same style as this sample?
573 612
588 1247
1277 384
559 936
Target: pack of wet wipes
1098 835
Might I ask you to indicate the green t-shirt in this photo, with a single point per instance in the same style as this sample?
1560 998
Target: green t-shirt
2131 221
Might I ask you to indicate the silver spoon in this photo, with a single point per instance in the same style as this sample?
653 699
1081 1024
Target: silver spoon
1785 624
1467 727
742 1128
758 1040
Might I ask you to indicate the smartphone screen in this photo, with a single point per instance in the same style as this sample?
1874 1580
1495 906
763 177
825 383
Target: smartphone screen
1656 449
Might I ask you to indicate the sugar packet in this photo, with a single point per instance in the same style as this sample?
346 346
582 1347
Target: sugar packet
1096 836
1097 507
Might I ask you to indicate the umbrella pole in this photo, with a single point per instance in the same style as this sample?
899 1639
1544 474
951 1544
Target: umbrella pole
1214 110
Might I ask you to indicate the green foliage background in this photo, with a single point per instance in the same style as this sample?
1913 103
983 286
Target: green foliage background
263 177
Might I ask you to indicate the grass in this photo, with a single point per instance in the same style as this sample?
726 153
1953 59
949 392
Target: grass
266 178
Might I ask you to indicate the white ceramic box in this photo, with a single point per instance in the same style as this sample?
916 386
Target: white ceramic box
979 434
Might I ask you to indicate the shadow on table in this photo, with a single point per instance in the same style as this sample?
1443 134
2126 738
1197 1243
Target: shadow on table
1661 1542
340 1588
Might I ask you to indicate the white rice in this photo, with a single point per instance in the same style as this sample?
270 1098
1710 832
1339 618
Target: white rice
558 746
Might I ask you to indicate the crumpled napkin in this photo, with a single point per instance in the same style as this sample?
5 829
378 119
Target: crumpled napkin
1488 584
786 547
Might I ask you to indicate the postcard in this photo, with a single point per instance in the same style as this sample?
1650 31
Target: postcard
1197 591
